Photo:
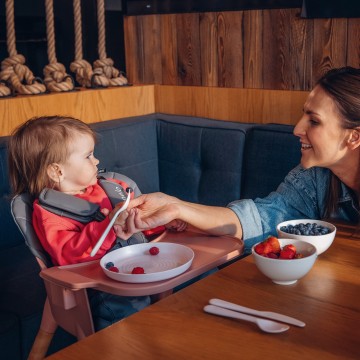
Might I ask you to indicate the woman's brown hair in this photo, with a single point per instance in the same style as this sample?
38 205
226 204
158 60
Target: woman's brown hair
343 86
35 145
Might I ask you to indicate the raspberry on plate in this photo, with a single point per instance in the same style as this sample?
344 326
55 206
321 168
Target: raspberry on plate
154 250
113 269
138 270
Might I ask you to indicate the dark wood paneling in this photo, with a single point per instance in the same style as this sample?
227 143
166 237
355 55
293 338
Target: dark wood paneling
263 49
209 49
230 49
330 44
353 48
301 52
253 46
169 59
188 41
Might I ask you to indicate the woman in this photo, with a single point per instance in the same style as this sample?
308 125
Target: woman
325 185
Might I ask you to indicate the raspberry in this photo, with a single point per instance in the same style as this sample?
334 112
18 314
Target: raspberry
109 265
154 250
138 270
113 269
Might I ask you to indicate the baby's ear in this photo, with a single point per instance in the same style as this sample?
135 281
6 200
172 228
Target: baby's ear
54 172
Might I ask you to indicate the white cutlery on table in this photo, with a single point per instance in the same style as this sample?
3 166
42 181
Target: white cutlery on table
268 326
265 314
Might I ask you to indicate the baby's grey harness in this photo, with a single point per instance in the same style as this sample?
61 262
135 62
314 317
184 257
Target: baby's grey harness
85 211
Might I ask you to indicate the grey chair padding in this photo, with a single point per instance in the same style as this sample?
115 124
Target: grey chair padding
21 210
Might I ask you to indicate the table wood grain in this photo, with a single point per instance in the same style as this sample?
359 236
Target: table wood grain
326 299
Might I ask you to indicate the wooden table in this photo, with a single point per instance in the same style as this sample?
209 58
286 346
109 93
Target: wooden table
327 299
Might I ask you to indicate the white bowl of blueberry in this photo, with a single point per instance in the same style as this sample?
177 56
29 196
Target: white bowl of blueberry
317 232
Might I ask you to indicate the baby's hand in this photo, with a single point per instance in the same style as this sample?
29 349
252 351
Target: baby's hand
176 225
120 227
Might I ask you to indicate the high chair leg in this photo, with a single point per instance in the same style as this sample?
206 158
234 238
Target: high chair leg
41 345
44 336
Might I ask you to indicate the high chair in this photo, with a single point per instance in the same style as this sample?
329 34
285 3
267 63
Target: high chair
67 303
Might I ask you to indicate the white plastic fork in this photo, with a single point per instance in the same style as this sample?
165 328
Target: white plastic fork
111 223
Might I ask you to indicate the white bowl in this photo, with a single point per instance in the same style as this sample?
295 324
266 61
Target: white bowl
321 242
285 271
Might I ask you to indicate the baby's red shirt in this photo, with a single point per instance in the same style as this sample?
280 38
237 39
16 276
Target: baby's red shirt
68 241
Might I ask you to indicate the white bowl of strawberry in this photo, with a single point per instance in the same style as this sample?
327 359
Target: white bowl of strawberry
284 261
317 232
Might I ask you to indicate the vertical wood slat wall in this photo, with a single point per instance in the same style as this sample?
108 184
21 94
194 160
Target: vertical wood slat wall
260 49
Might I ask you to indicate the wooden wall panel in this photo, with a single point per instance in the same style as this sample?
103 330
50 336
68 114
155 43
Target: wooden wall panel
353 48
301 52
188 41
88 105
253 44
169 59
230 49
152 49
209 49
262 49
330 45
276 51
233 104
134 54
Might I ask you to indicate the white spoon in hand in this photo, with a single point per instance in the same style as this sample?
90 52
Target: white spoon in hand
268 326
111 223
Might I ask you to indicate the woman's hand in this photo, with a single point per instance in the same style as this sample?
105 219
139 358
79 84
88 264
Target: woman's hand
150 211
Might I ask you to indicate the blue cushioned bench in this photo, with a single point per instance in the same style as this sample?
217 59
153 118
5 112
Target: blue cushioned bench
201 160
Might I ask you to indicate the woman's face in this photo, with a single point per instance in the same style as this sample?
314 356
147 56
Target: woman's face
323 140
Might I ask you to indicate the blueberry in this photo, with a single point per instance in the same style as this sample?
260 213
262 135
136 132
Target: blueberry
306 229
109 265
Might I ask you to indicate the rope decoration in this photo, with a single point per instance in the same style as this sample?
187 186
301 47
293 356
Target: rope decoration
4 90
55 77
85 76
14 72
105 64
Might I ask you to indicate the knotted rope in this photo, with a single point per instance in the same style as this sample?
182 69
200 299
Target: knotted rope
105 64
13 69
56 79
85 76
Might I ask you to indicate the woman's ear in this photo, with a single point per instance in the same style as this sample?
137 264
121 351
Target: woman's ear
354 138
55 173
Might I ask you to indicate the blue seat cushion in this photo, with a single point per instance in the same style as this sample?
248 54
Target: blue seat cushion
271 152
128 146
200 160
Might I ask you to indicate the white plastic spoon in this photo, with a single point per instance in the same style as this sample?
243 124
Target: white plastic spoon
265 325
111 223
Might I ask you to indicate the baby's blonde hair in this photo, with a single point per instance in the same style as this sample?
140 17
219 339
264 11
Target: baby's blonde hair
35 145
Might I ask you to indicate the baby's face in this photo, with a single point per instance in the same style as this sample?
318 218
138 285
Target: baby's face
80 169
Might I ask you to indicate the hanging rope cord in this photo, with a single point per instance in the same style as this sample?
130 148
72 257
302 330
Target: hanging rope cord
105 64
85 76
13 69
55 77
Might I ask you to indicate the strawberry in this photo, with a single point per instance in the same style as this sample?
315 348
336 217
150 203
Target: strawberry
274 243
154 250
290 247
138 270
267 248
286 254
259 248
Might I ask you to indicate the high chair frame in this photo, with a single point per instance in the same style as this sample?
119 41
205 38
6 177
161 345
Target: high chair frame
67 303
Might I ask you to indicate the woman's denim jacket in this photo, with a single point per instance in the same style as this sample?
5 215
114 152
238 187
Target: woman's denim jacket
302 195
